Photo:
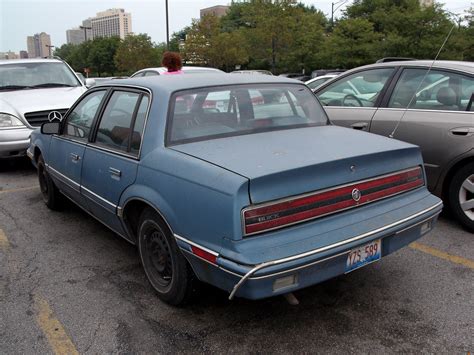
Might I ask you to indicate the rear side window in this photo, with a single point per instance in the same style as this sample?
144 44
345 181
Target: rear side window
242 109
433 90
121 125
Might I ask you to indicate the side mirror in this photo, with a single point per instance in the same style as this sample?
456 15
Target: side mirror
50 127
90 82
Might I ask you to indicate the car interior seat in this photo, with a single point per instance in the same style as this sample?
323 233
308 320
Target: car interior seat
447 98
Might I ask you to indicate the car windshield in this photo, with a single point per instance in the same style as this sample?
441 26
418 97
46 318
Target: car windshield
20 76
218 112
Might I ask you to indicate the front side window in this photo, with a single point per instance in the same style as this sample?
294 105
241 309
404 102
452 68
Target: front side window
121 125
433 90
360 89
242 109
79 121
36 75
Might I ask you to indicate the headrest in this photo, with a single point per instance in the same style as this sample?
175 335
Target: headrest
446 96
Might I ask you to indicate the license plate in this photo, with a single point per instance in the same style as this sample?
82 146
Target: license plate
364 255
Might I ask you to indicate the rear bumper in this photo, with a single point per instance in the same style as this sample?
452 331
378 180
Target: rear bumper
14 142
308 268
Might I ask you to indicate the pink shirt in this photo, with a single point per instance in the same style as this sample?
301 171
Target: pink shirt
173 72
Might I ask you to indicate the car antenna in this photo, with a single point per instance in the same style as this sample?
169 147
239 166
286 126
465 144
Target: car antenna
391 135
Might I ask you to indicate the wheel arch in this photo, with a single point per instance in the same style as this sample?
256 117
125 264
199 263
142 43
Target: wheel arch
131 211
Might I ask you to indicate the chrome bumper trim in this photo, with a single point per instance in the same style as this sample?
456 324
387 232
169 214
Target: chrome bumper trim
328 247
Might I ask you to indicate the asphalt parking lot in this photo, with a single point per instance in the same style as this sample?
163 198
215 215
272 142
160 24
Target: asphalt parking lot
68 285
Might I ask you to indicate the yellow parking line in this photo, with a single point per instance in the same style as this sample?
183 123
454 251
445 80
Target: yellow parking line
4 243
19 189
53 329
442 255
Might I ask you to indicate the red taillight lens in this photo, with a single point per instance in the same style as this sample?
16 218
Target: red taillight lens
297 209
204 254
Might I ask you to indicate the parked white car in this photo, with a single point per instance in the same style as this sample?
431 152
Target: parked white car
185 69
33 91
320 80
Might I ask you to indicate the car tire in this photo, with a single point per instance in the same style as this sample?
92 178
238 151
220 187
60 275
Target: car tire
165 266
461 194
52 197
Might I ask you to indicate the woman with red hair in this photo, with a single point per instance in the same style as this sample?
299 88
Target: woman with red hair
172 61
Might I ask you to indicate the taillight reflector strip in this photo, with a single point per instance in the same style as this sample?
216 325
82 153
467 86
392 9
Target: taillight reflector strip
298 209
204 254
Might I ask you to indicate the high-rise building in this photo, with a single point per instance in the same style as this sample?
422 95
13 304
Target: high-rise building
112 22
38 45
218 11
75 36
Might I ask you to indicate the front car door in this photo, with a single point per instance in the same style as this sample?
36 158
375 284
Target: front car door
66 151
351 101
111 159
430 109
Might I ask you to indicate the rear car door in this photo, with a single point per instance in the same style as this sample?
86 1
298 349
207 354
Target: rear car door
111 159
351 101
430 109
66 151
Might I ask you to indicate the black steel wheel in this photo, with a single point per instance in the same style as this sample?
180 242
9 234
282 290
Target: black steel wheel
52 197
461 196
164 265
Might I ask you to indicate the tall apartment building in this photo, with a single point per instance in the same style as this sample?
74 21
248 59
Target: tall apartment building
75 36
38 45
112 22
218 11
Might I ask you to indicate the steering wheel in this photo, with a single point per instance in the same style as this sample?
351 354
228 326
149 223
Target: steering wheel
351 96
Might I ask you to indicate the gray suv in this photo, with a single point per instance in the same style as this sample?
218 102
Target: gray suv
33 91
433 109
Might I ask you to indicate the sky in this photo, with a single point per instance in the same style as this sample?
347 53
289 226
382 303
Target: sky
22 18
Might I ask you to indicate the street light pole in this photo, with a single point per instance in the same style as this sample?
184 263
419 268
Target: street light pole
49 48
167 28
333 10
85 28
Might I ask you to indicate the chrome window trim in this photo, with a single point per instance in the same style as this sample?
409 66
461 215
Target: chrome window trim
113 152
286 199
99 197
267 264
423 110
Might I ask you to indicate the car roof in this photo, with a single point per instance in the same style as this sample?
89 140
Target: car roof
172 83
440 64
29 60
185 68
330 76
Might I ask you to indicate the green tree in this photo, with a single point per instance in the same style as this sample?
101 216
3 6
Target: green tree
101 54
135 52
353 43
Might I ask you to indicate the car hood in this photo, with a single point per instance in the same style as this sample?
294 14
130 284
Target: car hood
19 102
290 162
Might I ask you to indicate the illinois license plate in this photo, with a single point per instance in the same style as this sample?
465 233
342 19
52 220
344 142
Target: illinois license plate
364 255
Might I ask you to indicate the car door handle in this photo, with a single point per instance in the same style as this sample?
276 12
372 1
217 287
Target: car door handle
115 172
75 157
359 125
463 131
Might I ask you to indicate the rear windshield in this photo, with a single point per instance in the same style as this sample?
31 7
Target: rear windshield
218 112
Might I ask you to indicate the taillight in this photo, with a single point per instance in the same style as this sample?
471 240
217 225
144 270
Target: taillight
282 213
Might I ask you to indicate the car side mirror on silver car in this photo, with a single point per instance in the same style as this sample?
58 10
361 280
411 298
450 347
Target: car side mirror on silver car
50 127
90 82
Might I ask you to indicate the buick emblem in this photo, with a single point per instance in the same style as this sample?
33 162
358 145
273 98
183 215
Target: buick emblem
55 115
356 195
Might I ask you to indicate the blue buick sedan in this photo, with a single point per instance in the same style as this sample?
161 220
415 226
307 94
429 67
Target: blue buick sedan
237 181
